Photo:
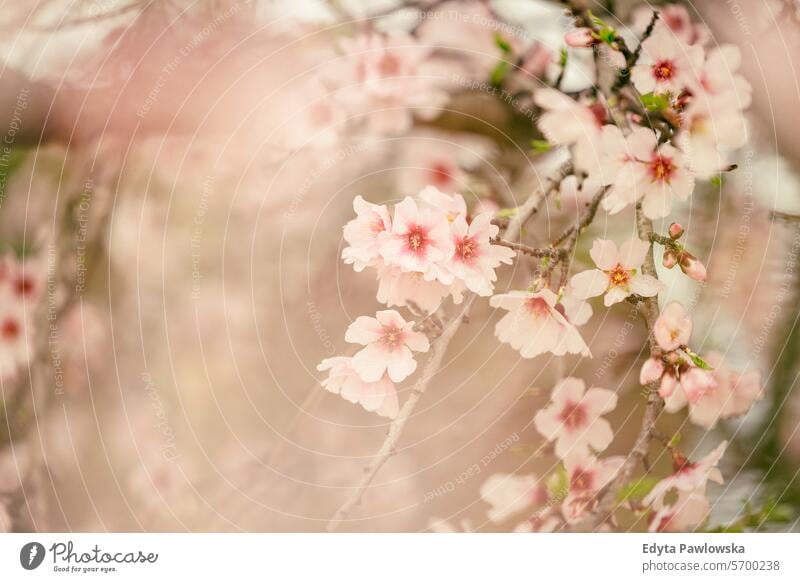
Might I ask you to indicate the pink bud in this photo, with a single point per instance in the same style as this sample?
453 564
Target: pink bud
652 370
675 231
579 38
692 267
670 259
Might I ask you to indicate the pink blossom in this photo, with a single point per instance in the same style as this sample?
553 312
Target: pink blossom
619 273
688 476
379 397
719 76
363 233
580 38
509 494
389 341
385 79
673 328
451 205
568 122
400 288
474 258
713 127
441 160
676 18
732 394
689 510
692 267
637 168
587 475
419 240
534 325
684 383
573 418
666 65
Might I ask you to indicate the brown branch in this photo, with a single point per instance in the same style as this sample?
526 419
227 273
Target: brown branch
538 252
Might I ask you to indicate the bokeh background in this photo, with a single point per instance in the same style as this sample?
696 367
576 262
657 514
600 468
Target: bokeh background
163 174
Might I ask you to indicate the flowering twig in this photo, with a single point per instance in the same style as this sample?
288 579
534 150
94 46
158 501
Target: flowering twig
648 308
389 446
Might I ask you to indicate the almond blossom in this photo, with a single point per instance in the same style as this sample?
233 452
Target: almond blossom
719 76
573 418
474 258
419 240
509 494
637 169
386 79
363 233
568 122
586 476
676 18
452 205
389 341
731 394
379 397
666 65
673 327
534 324
689 510
619 273
714 127
398 288
688 476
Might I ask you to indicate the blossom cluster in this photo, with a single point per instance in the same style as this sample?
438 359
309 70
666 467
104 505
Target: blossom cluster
423 250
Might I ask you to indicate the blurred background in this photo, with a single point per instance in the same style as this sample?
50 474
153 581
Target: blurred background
174 176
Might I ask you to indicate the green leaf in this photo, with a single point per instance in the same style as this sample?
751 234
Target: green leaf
698 361
506 212
637 489
607 34
655 102
498 73
562 58
716 180
502 43
541 146
558 483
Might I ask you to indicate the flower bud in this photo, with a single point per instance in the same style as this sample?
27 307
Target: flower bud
652 370
692 267
670 259
675 231
580 38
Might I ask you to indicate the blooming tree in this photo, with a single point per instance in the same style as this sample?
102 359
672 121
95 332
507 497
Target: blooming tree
665 111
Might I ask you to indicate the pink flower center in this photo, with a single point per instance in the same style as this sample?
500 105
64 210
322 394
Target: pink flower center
416 239
661 169
440 174
619 276
377 226
10 330
538 307
573 415
23 286
389 65
392 337
600 113
663 70
581 481
466 250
